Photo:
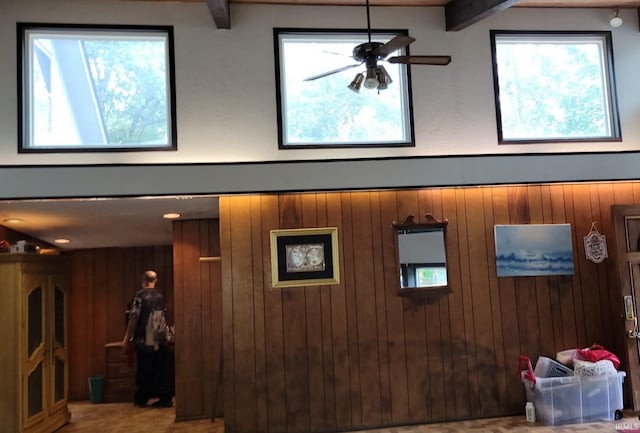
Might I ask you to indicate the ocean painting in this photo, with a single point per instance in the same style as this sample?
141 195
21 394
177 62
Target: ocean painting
533 250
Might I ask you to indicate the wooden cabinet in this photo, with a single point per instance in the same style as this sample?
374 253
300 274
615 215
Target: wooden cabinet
119 377
33 331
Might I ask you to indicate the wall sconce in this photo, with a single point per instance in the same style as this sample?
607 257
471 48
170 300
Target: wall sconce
616 20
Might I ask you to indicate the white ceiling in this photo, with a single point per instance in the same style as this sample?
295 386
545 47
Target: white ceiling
104 222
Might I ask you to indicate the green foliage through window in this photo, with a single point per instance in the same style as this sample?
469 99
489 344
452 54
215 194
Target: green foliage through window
553 86
96 88
127 77
325 112
429 276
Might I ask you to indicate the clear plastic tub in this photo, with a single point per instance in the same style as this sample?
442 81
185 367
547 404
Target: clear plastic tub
574 399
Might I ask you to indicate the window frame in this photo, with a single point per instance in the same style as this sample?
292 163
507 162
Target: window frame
608 78
406 93
25 90
410 274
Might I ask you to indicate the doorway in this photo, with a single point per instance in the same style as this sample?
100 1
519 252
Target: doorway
626 220
106 271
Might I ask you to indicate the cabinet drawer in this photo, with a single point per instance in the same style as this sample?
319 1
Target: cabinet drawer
119 369
114 353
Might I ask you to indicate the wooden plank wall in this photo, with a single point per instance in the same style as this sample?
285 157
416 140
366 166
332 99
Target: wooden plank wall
355 355
198 301
103 281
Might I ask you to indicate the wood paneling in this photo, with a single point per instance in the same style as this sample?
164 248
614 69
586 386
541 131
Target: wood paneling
355 355
197 296
103 282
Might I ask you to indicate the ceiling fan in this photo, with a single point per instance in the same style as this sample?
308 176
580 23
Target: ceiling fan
369 53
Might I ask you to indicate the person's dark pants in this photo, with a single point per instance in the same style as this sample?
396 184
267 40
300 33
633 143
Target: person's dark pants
152 375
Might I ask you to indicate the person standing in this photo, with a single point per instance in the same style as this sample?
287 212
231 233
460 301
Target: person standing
147 333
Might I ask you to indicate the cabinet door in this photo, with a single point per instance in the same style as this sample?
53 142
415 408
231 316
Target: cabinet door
58 332
34 350
45 358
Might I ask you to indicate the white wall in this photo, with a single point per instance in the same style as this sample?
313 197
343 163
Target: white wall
226 108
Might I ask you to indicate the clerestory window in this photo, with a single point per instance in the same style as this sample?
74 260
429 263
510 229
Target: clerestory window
554 86
96 88
342 109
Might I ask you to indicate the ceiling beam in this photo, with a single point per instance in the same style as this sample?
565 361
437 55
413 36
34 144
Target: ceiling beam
219 10
462 13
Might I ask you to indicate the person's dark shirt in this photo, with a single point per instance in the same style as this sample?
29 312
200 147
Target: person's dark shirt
144 303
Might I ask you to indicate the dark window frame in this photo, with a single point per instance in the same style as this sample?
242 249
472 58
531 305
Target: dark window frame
24 92
615 135
283 145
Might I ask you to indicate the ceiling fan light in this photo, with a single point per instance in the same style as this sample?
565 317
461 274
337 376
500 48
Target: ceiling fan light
357 82
383 78
371 81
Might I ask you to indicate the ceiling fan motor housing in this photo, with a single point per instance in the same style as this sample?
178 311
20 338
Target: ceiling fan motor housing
368 52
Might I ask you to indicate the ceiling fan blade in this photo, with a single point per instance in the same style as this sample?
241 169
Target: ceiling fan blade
337 54
421 60
394 44
335 71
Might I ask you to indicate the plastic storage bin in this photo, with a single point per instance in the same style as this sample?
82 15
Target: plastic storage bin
574 399
601 397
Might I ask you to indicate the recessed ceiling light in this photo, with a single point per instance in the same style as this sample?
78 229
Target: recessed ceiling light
13 221
62 241
171 215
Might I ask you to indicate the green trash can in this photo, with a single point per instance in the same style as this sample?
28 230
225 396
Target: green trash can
96 389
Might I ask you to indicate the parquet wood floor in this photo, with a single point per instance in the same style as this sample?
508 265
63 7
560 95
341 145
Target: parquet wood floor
125 418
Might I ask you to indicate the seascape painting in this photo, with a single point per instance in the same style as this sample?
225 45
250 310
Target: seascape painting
533 250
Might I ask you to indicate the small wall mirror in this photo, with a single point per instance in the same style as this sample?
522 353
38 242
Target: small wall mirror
422 254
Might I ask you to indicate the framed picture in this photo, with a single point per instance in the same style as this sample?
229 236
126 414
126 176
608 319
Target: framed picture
533 250
304 257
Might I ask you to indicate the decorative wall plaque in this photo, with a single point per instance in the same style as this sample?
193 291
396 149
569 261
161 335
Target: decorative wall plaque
595 245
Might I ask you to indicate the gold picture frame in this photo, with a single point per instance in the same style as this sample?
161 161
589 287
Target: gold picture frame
304 257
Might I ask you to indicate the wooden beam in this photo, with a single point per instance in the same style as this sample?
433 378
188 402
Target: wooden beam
462 13
219 10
